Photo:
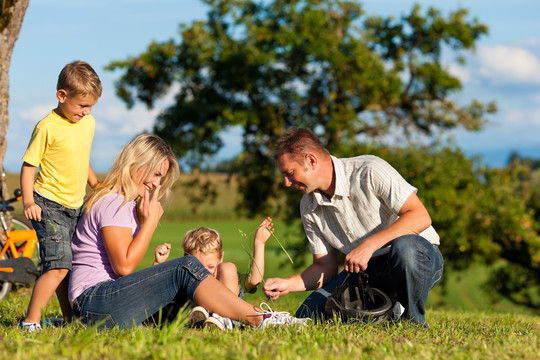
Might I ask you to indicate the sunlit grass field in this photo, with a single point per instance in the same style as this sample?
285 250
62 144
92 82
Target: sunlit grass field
453 334
461 291
464 323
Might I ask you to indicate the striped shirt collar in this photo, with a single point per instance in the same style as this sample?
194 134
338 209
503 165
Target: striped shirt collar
316 198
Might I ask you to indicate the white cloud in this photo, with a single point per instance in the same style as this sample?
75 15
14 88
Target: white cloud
31 116
114 117
462 73
509 64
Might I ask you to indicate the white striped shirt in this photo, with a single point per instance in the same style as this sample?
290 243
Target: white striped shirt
368 196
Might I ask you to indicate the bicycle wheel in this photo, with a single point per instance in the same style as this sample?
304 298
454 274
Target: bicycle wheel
22 223
5 286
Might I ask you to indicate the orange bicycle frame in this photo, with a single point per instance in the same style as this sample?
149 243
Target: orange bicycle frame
20 236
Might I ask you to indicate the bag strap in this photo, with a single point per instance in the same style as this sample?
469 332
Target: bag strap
362 281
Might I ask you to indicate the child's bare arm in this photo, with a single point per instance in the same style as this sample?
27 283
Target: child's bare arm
31 210
161 253
92 178
263 233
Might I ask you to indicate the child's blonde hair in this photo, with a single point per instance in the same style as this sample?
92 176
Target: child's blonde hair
145 153
79 78
202 240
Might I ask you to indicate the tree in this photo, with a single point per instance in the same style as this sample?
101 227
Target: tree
265 66
483 215
11 18
269 65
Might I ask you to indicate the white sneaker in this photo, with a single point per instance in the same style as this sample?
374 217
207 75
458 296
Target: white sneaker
30 327
274 318
197 316
216 321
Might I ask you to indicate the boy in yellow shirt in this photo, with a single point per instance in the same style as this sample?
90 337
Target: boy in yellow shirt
60 146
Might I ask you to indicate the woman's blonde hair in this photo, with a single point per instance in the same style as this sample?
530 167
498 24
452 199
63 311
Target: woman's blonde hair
144 153
202 240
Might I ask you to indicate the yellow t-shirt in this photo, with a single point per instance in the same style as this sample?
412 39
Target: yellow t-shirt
61 150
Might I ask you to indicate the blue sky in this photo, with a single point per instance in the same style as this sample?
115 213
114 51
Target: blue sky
505 68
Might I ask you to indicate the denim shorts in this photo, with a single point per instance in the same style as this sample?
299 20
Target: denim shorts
54 232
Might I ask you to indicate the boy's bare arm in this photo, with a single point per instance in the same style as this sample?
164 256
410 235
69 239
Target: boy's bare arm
92 178
263 233
31 210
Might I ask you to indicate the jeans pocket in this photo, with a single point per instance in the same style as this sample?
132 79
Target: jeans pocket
51 249
101 321
196 269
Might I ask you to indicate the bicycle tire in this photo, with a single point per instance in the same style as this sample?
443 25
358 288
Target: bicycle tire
21 223
5 286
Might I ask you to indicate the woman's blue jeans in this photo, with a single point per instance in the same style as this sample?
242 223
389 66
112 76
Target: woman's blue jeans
406 274
131 299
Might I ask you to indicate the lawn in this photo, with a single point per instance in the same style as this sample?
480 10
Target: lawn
464 323
455 333
452 335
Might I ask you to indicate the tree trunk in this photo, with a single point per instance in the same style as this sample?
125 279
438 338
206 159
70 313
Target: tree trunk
11 18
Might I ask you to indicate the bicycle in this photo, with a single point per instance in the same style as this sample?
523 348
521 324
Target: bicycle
19 261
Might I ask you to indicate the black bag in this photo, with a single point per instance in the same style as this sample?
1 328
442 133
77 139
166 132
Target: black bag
354 299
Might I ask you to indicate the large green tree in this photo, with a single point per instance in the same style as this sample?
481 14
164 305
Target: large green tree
267 65
484 215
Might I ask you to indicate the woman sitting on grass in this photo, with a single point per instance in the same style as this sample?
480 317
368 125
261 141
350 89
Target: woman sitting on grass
113 235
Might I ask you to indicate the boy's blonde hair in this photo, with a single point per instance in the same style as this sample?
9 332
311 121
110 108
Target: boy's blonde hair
144 153
79 78
202 240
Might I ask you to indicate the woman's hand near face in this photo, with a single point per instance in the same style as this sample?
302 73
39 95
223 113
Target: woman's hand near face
150 209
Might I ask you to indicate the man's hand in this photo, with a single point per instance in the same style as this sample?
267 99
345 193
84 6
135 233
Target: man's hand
275 287
358 258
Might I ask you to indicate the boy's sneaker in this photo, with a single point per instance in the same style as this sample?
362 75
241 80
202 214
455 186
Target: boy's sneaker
34 327
197 316
218 322
274 318
30 327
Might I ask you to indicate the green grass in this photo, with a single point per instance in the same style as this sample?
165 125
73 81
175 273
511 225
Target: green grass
452 335
455 333
464 323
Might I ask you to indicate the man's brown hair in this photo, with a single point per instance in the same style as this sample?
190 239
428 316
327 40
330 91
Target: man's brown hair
296 142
